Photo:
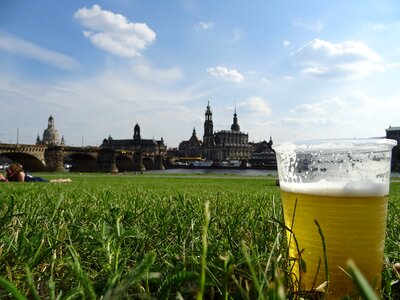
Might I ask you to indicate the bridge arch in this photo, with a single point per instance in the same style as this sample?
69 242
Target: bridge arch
28 161
124 162
82 162
148 162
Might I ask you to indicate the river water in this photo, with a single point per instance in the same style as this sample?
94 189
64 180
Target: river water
240 172
232 171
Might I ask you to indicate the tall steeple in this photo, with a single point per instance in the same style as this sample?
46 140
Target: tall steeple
235 126
208 123
208 112
208 137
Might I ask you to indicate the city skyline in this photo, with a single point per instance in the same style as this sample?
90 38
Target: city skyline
292 71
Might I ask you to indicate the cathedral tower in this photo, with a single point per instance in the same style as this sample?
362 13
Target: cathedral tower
208 137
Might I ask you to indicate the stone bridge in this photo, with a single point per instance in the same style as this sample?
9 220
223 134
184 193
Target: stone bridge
81 159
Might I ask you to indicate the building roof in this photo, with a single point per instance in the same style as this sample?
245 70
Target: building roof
395 128
148 142
230 132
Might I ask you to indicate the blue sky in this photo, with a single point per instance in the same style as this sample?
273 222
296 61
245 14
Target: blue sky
294 69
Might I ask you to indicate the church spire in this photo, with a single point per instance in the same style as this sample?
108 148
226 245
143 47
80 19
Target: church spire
208 123
208 136
235 126
208 112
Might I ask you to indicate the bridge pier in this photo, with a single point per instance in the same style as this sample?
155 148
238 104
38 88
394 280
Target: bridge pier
138 162
170 161
106 161
54 158
158 163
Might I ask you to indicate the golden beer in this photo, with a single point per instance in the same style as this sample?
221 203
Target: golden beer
334 197
352 227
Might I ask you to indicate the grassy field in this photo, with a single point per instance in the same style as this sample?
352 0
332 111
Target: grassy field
153 237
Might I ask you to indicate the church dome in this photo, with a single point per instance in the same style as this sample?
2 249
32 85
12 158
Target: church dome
50 134
235 126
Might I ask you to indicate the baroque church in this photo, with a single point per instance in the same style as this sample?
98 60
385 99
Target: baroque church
225 144
218 146
50 135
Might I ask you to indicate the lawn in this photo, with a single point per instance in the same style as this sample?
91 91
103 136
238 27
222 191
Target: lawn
153 237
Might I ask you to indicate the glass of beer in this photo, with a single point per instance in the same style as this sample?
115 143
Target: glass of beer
334 195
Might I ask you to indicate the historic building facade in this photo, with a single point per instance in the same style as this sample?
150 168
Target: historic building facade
226 144
148 146
191 148
263 155
50 135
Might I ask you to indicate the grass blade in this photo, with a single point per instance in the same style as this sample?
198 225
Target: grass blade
136 275
12 289
31 284
202 282
363 287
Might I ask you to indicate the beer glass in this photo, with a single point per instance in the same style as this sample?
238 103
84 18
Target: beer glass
334 195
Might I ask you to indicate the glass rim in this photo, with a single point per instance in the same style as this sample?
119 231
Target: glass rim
336 144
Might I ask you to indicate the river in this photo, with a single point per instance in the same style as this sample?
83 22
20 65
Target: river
232 171
239 172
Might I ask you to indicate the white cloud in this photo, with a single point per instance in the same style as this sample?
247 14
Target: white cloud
266 80
113 32
377 26
347 60
285 43
328 106
258 105
313 121
313 25
163 76
236 35
353 114
309 107
336 101
225 74
17 46
204 25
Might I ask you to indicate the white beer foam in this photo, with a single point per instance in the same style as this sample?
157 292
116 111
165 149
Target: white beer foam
362 187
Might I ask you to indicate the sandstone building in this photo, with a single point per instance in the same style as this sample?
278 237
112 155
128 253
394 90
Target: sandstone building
225 144
148 146
263 155
50 135
191 148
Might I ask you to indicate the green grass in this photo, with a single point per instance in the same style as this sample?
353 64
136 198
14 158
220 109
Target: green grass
152 237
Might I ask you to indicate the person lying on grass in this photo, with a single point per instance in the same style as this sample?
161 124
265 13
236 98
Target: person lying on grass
16 173
2 178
